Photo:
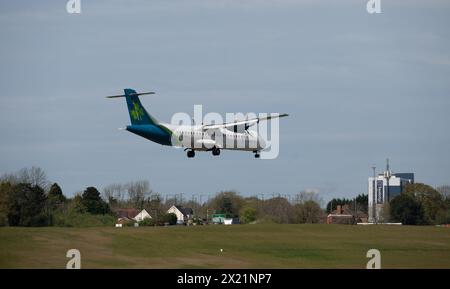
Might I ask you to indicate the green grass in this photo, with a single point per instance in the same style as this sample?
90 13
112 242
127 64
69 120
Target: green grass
244 246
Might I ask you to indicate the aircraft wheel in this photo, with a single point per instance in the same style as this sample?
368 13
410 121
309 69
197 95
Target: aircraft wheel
216 152
257 155
191 154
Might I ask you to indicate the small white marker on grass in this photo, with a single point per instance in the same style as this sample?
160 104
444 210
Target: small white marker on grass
221 250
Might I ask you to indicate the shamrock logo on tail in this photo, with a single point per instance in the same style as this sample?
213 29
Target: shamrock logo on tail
137 112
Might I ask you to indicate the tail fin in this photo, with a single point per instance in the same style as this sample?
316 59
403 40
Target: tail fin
138 114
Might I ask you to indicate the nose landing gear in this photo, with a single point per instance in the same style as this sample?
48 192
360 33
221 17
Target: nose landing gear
257 155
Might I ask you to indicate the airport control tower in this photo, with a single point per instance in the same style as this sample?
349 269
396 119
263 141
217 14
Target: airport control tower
382 188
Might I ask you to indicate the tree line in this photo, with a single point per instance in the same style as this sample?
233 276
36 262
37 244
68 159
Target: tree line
304 207
27 198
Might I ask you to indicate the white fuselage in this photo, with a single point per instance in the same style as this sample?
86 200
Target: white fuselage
194 137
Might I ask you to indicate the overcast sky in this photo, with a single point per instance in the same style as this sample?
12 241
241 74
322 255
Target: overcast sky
358 88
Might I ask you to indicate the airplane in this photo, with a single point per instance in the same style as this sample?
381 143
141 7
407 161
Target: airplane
209 137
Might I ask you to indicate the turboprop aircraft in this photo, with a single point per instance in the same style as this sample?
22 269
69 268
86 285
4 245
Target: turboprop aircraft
210 137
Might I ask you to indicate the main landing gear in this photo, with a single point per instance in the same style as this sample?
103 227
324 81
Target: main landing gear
190 153
215 151
256 154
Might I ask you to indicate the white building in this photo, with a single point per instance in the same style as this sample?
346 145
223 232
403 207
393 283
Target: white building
382 189
183 214
142 215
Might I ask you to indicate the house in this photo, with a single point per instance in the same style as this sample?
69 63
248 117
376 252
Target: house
183 214
126 215
142 215
341 215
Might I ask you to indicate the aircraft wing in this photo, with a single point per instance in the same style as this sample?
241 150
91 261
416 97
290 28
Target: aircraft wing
246 123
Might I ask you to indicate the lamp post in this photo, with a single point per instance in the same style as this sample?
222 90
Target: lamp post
374 219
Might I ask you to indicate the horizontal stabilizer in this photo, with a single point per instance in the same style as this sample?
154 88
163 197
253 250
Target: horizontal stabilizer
131 94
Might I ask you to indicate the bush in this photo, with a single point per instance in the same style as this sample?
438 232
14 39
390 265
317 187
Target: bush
170 218
247 215
129 223
197 221
75 219
147 222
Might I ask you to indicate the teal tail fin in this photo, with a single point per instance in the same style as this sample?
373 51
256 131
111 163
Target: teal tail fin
138 114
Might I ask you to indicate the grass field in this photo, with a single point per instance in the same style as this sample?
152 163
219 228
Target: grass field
244 246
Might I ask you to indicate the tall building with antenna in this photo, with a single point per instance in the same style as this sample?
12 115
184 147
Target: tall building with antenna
382 188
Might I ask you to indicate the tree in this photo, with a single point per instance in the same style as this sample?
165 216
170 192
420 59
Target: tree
362 203
35 176
76 204
307 212
55 197
407 210
93 203
26 206
138 192
227 206
114 193
247 214
430 200
443 216
5 193
278 210
305 196
9 178
444 191
227 202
